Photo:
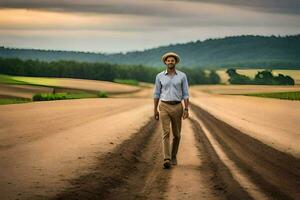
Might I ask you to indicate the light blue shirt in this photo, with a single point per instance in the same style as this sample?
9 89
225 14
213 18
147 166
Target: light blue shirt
169 88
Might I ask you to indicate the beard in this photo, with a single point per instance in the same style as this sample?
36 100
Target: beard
171 66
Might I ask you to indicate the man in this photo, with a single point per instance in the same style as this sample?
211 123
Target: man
171 87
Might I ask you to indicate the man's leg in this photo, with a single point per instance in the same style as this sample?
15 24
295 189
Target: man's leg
176 121
165 125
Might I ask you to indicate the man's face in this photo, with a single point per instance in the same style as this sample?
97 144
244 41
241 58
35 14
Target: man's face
170 62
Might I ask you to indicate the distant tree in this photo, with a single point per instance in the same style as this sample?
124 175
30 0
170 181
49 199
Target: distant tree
289 80
213 77
231 72
264 78
267 78
236 78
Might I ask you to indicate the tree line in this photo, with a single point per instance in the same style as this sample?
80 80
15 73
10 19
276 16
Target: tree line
264 77
97 71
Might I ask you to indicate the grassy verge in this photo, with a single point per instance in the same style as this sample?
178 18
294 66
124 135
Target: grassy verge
10 80
127 81
66 95
13 101
51 97
278 95
24 80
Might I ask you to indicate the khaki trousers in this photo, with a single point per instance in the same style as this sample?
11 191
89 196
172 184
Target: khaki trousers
170 114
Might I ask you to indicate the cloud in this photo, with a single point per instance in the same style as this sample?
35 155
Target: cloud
191 15
122 7
271 6
163 8
113 25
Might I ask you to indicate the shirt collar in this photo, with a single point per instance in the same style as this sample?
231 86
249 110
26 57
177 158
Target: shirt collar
166 72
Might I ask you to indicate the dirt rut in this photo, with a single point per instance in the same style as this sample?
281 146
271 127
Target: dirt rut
275 173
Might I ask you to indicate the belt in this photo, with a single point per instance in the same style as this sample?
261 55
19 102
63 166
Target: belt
171 102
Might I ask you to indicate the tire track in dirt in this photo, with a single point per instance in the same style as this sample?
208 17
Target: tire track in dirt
129 172
220 176
191 178
275 173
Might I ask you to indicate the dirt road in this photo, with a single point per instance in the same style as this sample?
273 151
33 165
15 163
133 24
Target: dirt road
111 149
215 161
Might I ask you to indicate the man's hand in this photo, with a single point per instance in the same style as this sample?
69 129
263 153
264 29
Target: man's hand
156 115
185 114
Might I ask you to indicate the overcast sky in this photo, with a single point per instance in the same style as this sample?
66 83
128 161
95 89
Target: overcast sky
126 25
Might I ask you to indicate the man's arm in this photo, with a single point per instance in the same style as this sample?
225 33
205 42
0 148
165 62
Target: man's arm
155 104
186 103
156 96
185 92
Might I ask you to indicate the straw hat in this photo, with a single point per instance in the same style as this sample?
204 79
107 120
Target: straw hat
164 57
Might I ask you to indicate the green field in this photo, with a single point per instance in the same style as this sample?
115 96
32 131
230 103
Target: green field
278 95
6 79
127 81
37 80
13 101
23 80
47 82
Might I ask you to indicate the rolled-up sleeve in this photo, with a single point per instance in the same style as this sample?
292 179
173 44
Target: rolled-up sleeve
157 88
185 88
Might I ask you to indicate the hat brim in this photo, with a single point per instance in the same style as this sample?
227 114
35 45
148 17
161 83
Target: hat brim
170 54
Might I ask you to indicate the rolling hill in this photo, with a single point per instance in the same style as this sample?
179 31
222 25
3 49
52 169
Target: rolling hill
246 51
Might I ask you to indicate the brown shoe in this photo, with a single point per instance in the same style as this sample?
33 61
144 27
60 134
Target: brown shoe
167 164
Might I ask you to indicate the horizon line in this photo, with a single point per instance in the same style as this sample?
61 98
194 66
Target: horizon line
155 47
